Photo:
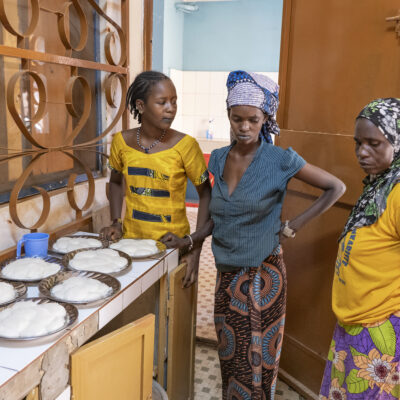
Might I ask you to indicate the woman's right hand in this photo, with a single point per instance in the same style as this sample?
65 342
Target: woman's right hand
112 232
174 242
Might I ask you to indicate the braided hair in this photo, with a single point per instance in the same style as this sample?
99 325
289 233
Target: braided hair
140 89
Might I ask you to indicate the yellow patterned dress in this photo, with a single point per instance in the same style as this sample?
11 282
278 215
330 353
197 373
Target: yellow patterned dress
156 186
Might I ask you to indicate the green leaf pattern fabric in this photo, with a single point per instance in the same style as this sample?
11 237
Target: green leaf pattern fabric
363 362
356 384
384 338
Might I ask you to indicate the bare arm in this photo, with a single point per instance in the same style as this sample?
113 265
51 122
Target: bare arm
204 223
203 229
333 189
116 195
116 198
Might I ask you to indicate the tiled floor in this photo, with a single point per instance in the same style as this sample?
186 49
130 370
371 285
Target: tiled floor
205 304
207 372
207 276
207 380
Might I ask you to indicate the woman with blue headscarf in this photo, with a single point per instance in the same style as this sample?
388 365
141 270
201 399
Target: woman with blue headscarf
250 179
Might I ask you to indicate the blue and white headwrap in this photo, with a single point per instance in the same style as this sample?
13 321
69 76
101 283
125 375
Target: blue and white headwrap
250 89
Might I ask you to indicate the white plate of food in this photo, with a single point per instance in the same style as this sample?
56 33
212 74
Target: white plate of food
66 244
139 248
35 318
11 291
30 269
105 261
80 288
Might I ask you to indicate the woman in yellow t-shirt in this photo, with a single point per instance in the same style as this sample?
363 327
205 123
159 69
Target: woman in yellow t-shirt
364 356
154 161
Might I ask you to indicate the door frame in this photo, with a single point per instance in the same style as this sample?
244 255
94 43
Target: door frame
147 34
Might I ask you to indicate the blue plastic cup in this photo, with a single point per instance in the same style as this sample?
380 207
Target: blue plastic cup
35 244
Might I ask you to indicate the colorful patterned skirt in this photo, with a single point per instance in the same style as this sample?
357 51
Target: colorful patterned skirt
249 320
363 362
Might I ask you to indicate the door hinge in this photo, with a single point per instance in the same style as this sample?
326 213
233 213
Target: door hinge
396 19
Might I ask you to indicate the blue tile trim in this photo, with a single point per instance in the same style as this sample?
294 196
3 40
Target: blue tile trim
147 172
149 192
143 216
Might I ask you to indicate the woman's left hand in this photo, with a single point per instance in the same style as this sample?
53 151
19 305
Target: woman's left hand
174 242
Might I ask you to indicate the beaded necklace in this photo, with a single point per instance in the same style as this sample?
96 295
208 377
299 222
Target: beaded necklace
147 149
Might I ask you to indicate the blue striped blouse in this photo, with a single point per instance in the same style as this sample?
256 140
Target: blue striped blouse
247 223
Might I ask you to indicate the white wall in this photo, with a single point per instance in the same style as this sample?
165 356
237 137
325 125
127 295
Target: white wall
202 97
229 35
173 37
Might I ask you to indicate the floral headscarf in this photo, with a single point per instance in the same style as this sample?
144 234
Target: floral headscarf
384 114
251 89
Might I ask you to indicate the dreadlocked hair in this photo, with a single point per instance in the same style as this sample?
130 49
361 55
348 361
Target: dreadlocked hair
140 89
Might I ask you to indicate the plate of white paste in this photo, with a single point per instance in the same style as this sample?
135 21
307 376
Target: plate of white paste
105 261
30 269
79 288
67 244
34 318
10 292
139 248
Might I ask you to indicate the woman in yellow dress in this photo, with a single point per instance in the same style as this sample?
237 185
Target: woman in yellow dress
155 162
364 354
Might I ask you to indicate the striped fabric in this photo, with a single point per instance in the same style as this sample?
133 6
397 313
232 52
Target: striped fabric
247 223
151 173
149 192
143 216
156 186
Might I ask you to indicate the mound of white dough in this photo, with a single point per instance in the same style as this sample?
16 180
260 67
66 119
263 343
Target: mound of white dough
80 288
67 244
137 247
29 319
106 261
30 268
7 292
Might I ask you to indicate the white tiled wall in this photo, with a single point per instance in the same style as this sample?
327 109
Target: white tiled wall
202 97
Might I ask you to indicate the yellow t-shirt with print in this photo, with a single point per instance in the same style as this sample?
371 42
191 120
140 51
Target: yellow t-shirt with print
156 186
366 285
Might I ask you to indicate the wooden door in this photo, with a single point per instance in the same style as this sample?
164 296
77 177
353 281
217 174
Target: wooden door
147 34
181 337
336 56
116 366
